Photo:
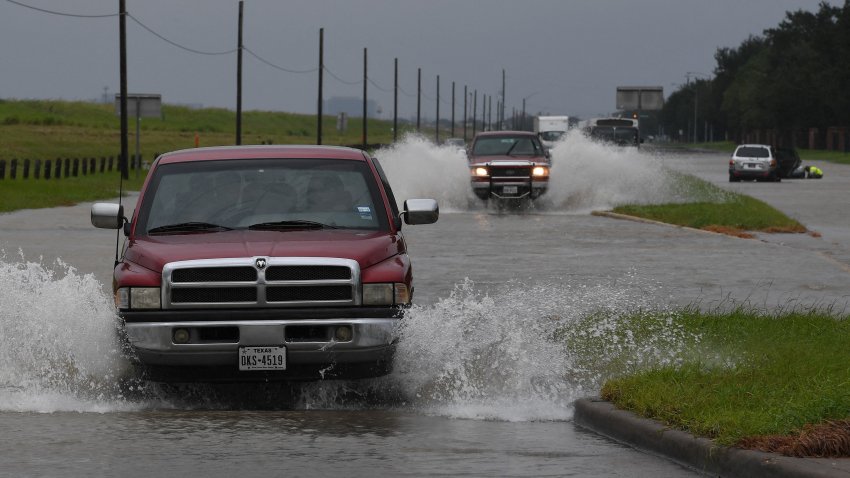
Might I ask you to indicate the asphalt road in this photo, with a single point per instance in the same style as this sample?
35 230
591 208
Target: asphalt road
511 265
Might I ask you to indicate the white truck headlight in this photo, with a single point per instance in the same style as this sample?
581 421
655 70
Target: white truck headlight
138 298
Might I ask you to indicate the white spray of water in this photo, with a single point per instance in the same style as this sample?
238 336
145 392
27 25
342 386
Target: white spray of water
522 352
58 348
417 168
586 175
525 352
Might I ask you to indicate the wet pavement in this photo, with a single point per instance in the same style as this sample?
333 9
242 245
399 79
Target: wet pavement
52 431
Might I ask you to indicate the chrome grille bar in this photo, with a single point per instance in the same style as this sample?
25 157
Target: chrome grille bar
313 281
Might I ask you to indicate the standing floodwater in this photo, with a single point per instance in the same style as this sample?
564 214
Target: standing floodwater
514 354
486 369
585 175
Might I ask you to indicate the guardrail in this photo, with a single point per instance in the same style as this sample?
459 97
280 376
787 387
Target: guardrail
60 167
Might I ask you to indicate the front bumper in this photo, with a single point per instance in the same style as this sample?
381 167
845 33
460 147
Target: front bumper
211 354
753 173
509 189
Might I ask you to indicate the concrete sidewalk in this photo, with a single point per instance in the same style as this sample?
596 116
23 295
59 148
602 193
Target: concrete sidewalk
701 454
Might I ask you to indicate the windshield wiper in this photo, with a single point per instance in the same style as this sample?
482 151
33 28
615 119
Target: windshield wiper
188 227
298 224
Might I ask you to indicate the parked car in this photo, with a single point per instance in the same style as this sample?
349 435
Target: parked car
263 262
754 161
508 165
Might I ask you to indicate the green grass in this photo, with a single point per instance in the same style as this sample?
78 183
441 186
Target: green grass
44 129
50 130
715 209
749 374
820 155
41 193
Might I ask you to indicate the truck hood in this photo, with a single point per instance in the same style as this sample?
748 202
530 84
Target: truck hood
497 159
366 247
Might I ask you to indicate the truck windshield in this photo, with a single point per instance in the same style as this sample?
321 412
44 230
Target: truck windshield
239 194
507 145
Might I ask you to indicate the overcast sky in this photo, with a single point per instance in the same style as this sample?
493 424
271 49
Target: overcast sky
563 56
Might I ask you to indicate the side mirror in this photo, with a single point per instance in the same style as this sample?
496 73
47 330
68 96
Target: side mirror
421 211
107 215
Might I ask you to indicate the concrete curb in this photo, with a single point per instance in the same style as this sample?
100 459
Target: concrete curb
626 217
700 454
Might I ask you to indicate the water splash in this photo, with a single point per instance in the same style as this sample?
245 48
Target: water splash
417 168
586 175
520 353
58 348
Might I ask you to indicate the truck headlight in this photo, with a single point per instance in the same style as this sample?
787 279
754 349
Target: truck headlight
138 298
540 171
386 294
480 172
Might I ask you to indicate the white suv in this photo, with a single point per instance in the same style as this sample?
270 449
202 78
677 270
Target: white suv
754 161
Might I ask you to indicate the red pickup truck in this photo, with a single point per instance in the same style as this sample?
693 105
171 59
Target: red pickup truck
508 165
263 262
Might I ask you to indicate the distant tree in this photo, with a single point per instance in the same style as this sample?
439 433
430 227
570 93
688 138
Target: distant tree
793 77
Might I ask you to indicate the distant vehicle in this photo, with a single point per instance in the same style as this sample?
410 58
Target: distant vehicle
263 263
755 161
619 131
551 128
508 165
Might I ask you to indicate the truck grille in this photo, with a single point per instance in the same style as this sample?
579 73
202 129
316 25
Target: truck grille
510 172
261 282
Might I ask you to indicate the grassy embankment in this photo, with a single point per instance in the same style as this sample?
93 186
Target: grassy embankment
37 129
750 379
725 211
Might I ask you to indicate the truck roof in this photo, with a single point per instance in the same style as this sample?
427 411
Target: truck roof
262 151
505 133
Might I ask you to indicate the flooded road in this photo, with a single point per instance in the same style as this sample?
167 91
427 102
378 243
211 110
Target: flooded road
480 387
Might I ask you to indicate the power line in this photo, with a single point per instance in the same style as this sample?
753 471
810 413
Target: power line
52 12
191 50
288 70
379 87
341 80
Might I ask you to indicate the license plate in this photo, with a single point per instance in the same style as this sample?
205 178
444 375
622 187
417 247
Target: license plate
510 189
262 358
753 166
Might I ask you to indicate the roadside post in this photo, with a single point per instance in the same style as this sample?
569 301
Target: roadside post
141 106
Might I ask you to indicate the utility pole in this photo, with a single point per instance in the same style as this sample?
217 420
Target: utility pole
239 80
502 107
122 32
453 109
365 111
321 78
474 112
418 98
395 102
437 134
464 112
